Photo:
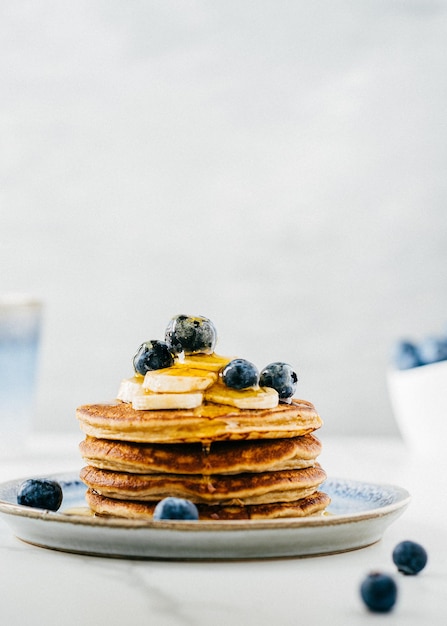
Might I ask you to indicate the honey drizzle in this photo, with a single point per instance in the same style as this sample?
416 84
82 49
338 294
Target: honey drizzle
206 450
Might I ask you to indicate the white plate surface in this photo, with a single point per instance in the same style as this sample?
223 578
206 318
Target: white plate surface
358 516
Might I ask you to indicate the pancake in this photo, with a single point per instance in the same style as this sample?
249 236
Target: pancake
220 457
305 507
208 422
247 488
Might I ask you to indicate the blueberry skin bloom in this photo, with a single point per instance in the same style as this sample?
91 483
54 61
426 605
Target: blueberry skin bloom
176 508
191 335
40 493
279 376
379 592
152 355
409 557
240 374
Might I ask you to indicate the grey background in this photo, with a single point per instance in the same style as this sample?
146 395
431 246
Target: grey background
278 166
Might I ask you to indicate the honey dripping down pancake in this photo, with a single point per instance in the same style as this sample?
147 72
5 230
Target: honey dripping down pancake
219 457
197 426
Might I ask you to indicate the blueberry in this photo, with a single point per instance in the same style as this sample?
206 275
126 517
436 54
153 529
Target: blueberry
152 355
432 350
379 592
191 335
240 374
279 376
176 508
406 355
40 493
409 557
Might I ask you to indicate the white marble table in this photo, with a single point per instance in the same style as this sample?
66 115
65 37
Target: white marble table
40 586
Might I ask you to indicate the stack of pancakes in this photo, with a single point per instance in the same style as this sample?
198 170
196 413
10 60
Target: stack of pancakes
232 463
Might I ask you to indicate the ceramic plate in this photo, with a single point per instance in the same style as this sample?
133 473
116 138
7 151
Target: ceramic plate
358 516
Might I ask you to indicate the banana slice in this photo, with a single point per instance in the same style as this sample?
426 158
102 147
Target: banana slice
210 362
129 387
131 391
146 400
178 379
251 398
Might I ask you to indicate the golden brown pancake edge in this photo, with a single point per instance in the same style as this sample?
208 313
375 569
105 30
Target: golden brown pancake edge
248 488
312 505
220 457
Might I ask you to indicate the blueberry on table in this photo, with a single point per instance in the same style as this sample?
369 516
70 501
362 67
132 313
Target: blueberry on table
40 493
379 592
191 335
279 376
152 355
240 374
409 557
406 355
176 508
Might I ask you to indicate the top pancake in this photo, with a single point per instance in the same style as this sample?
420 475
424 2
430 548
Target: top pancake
207 423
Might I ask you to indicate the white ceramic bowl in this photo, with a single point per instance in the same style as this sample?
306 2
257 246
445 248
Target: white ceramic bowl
419 400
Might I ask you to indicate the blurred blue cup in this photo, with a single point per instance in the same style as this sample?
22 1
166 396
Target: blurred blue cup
20 329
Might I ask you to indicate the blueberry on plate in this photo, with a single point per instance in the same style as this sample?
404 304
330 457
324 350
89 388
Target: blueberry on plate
240 374
409 557
152 355
379 592
279 376
40 493
176 508
191 335
406 355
